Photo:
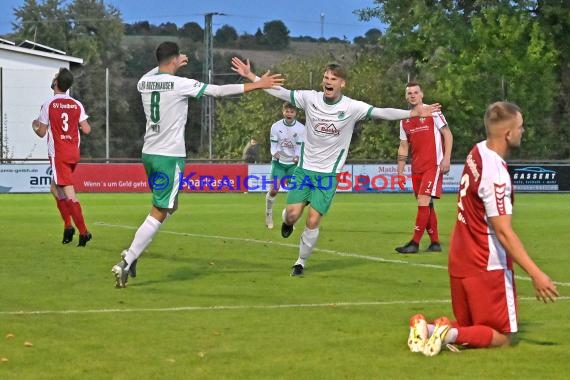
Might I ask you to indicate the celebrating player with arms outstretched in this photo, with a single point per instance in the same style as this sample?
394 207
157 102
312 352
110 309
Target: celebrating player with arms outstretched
330 120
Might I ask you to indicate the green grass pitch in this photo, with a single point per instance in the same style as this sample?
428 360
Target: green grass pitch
214 300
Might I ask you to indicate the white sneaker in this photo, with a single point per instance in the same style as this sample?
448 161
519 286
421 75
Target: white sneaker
435 341
418 333
269 219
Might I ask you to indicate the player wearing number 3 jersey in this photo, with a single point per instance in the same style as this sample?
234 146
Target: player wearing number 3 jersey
61 118
165 102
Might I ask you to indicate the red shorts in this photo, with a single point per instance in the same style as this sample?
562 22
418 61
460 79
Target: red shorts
487 299
428 182
62 172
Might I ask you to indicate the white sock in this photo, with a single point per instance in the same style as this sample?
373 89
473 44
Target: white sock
142 239
307 243
269 201
450 337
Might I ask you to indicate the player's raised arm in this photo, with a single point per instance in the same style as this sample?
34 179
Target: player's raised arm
244 69
399 114
266 82
427 110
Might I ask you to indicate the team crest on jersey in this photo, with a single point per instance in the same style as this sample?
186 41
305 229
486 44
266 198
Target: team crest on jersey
422 119
500 192
341 115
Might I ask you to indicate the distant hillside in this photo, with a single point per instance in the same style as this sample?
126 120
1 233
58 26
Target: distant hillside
269 58
263 58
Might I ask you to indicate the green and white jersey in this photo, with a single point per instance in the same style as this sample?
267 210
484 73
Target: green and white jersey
329 129
286 140
165 103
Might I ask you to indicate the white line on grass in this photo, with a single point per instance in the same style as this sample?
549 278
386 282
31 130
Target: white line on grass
330 251
243 307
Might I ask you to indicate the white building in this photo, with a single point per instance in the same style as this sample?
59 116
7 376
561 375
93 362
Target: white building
26 73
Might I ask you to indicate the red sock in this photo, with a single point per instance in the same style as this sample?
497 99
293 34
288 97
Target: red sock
422 219
77 216
431 227
475 336
64 211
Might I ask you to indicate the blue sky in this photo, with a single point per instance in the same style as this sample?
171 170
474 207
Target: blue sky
302 17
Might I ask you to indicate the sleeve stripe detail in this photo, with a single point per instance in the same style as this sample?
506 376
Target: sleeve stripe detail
367 117
292 93
201 93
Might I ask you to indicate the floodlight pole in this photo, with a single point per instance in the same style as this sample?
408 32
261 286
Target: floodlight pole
207 114
107 137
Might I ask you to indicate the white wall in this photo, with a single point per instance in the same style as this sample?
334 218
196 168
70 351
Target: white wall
26 81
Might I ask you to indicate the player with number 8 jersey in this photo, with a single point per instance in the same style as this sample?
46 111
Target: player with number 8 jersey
165 101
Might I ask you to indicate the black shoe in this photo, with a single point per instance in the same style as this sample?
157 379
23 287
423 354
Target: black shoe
84 238
286 230
434 247
410 247
68 235
297 270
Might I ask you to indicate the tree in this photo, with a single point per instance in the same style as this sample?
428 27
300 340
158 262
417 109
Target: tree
167 29
44 23
138 28
276 35
193 31
260 37
90 30
373 36
554 18
96 37
225 36
466 54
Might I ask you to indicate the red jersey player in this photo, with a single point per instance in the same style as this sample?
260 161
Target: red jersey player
483 248
61 118
430 141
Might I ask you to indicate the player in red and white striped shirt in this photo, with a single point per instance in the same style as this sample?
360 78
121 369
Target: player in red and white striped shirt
61 118
430 142
484 246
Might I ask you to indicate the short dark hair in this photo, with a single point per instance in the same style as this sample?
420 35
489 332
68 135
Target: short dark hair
499 112
289 105
64 79
337 69
166 50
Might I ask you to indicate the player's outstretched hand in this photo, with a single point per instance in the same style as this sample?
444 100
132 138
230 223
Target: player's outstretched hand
426 111
269 80
544 288
243 68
